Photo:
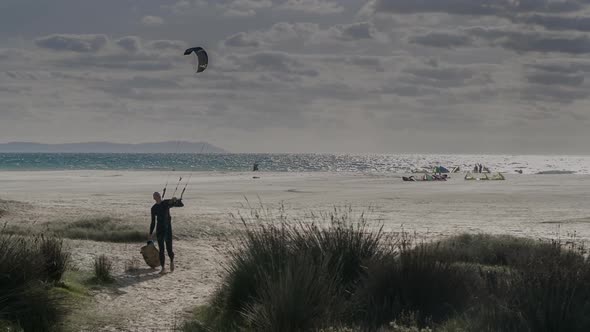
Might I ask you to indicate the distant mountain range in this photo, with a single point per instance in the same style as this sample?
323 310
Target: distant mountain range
107 147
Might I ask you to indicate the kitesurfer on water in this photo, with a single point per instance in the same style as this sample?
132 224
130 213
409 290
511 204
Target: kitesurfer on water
161 214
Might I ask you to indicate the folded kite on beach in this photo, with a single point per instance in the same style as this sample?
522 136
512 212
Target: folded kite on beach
150 254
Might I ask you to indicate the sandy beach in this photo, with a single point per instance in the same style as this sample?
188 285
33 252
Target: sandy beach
523 205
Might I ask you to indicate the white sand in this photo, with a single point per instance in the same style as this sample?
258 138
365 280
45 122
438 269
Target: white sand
525 205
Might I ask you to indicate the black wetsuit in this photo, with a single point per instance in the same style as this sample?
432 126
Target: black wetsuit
161 214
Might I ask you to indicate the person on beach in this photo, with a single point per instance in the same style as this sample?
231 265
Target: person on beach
161 214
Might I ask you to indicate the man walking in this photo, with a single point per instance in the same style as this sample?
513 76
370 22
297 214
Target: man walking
161 214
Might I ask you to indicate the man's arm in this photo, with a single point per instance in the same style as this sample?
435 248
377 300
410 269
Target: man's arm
153 224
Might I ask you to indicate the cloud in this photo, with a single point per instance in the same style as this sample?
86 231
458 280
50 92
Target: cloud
297 36
130 43
230 12
543 93
559 81
554 78
152 21
354 31
409 90
143 62
167 45
312 7
557 22
274 62
241 39
501 8
445 77
563 66
532 41
244 8
290 35
369 62
442 39
73 43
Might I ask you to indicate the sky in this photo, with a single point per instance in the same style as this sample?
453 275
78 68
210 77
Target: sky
377 76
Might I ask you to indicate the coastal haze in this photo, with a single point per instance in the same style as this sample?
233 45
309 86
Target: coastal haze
106 147
334 101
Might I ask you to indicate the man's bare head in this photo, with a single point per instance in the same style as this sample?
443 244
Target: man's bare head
157 197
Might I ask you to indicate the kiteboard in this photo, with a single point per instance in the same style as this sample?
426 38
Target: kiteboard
151 255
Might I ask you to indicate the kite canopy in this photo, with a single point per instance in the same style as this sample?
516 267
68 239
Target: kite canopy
200 60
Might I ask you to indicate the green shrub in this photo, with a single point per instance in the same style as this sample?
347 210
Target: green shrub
415 281
103 268
271 256
28 269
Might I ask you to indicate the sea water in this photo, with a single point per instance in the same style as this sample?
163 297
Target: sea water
351 163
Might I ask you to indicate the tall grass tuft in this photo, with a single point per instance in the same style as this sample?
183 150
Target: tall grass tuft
327 262
302 297
550 293
55 258
28 269
103 269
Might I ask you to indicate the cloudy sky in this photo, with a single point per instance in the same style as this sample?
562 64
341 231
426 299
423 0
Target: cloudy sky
399 76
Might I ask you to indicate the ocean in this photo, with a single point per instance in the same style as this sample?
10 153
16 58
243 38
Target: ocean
351 163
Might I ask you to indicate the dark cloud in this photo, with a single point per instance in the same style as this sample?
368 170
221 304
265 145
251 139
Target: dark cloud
540 93
22 75
532 41
406 90
476 7
557 22
442 39
130 43
448 74
241 39
369 62
539 43
73 43
555 81
354 31
273 62
118 61
554 78
561 66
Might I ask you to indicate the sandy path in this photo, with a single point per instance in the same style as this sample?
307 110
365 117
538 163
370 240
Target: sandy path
530 205
143 300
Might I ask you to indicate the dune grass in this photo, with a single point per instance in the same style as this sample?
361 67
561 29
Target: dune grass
104 229
101 229
346 275
30 269
103 270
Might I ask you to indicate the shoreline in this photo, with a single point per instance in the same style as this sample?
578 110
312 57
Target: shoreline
521 204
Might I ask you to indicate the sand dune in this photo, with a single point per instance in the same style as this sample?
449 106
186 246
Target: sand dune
527 205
